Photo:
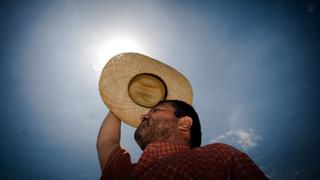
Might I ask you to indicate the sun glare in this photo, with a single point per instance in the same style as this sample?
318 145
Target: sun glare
104 51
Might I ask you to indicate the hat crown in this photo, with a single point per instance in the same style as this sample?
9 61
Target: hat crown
147 89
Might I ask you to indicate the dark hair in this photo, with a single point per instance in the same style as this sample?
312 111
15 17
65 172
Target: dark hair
184 109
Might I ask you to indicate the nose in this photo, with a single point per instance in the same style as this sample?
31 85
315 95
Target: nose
144 117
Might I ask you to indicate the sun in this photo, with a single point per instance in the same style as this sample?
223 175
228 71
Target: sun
105 50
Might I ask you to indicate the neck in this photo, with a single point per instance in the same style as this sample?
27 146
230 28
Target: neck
175 138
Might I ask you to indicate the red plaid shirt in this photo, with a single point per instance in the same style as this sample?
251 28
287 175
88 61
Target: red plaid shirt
163 160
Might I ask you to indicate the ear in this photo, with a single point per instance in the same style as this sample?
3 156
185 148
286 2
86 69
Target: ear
185 123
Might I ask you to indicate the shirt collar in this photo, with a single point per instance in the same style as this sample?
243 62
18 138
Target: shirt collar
162 149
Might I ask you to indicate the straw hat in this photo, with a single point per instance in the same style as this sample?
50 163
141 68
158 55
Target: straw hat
131 83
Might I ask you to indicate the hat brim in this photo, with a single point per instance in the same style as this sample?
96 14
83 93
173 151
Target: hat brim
119 71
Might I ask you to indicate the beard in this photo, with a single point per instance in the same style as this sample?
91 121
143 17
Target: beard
143 134
154 129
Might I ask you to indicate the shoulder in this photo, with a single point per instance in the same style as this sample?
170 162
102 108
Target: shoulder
118 164
222 150
219 146
118 157
239 164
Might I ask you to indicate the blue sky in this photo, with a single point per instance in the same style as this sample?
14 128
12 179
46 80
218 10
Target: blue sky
253 65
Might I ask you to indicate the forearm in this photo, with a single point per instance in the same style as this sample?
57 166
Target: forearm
108 138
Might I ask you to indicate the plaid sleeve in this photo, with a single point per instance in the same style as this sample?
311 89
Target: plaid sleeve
118 165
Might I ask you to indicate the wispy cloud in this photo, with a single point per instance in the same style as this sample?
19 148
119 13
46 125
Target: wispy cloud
299 171
246 139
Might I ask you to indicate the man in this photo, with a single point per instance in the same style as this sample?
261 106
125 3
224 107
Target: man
170 137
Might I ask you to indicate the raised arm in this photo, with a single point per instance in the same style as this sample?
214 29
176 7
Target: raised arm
108 138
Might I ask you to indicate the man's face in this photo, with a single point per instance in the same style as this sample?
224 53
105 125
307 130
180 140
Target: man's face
157 124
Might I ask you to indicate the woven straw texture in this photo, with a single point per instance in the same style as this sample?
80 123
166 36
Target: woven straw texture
117 74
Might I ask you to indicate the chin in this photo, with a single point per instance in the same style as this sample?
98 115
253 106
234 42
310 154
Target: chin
140 142
141 138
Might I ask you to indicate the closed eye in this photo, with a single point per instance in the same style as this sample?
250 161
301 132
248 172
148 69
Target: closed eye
155 110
